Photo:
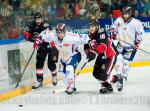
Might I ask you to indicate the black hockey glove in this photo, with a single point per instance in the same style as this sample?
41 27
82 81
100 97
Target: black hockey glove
90 54
33 37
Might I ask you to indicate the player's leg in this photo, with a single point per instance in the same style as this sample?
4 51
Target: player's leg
127 58
62 72
102 70
40 58
70 72
100 75
52 60
119 64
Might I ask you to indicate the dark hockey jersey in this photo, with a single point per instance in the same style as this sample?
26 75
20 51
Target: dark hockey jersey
105 44
34 29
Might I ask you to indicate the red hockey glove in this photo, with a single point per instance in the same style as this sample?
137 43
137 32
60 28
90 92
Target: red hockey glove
113 33
37 42
136 45
26 35
52 44
93 44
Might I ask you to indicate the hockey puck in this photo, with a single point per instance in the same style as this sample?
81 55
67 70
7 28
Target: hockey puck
53 92
20 105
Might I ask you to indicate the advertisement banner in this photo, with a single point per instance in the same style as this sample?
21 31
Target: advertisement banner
81 26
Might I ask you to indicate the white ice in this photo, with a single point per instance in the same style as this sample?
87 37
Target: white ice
135 96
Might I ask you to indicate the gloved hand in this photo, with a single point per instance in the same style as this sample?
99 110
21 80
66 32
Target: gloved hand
26 35
37 42
113 33
136 45
90 54
52 44
93 44
34 36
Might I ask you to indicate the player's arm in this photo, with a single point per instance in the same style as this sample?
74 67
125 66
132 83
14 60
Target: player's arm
80 39
48 36
113 30
100 47
139 33
29 34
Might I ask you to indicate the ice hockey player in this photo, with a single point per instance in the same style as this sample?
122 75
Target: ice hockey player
131 31
106 58
43 49
69 55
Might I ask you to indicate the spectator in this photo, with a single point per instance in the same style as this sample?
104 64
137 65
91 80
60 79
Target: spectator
61 12
103 8
113 6
136 13
148 13
15 4
124 3
146 7
52 11
82 11
133 5
76 9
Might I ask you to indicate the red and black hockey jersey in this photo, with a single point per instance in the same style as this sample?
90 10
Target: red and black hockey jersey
34 29
105 44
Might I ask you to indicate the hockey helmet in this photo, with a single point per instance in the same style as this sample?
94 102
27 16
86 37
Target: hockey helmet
127 10
60 28
37 15
94 22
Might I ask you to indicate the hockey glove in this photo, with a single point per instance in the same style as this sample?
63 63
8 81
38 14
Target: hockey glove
93 44
52 44
37 42
26 35
113 34
136 45
86 46
90 54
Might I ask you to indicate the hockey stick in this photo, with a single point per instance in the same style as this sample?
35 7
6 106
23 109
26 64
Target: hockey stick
81 68
24 69
75 76
132 45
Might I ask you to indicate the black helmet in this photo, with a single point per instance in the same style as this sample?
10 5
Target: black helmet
60 28
127 10
94 22
37 15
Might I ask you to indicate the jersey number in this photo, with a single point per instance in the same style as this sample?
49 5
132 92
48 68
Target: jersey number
102 36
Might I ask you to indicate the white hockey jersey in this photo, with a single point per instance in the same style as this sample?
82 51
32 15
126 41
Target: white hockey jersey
68 46
128 31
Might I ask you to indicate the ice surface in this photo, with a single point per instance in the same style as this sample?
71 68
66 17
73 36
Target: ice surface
135 96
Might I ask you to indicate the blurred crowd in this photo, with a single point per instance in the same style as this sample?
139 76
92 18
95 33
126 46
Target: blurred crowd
16 14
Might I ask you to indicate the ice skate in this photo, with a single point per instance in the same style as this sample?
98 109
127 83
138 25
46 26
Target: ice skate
119 83
106 88
54 80
37 85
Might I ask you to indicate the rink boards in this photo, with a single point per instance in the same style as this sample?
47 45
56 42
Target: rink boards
14 57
